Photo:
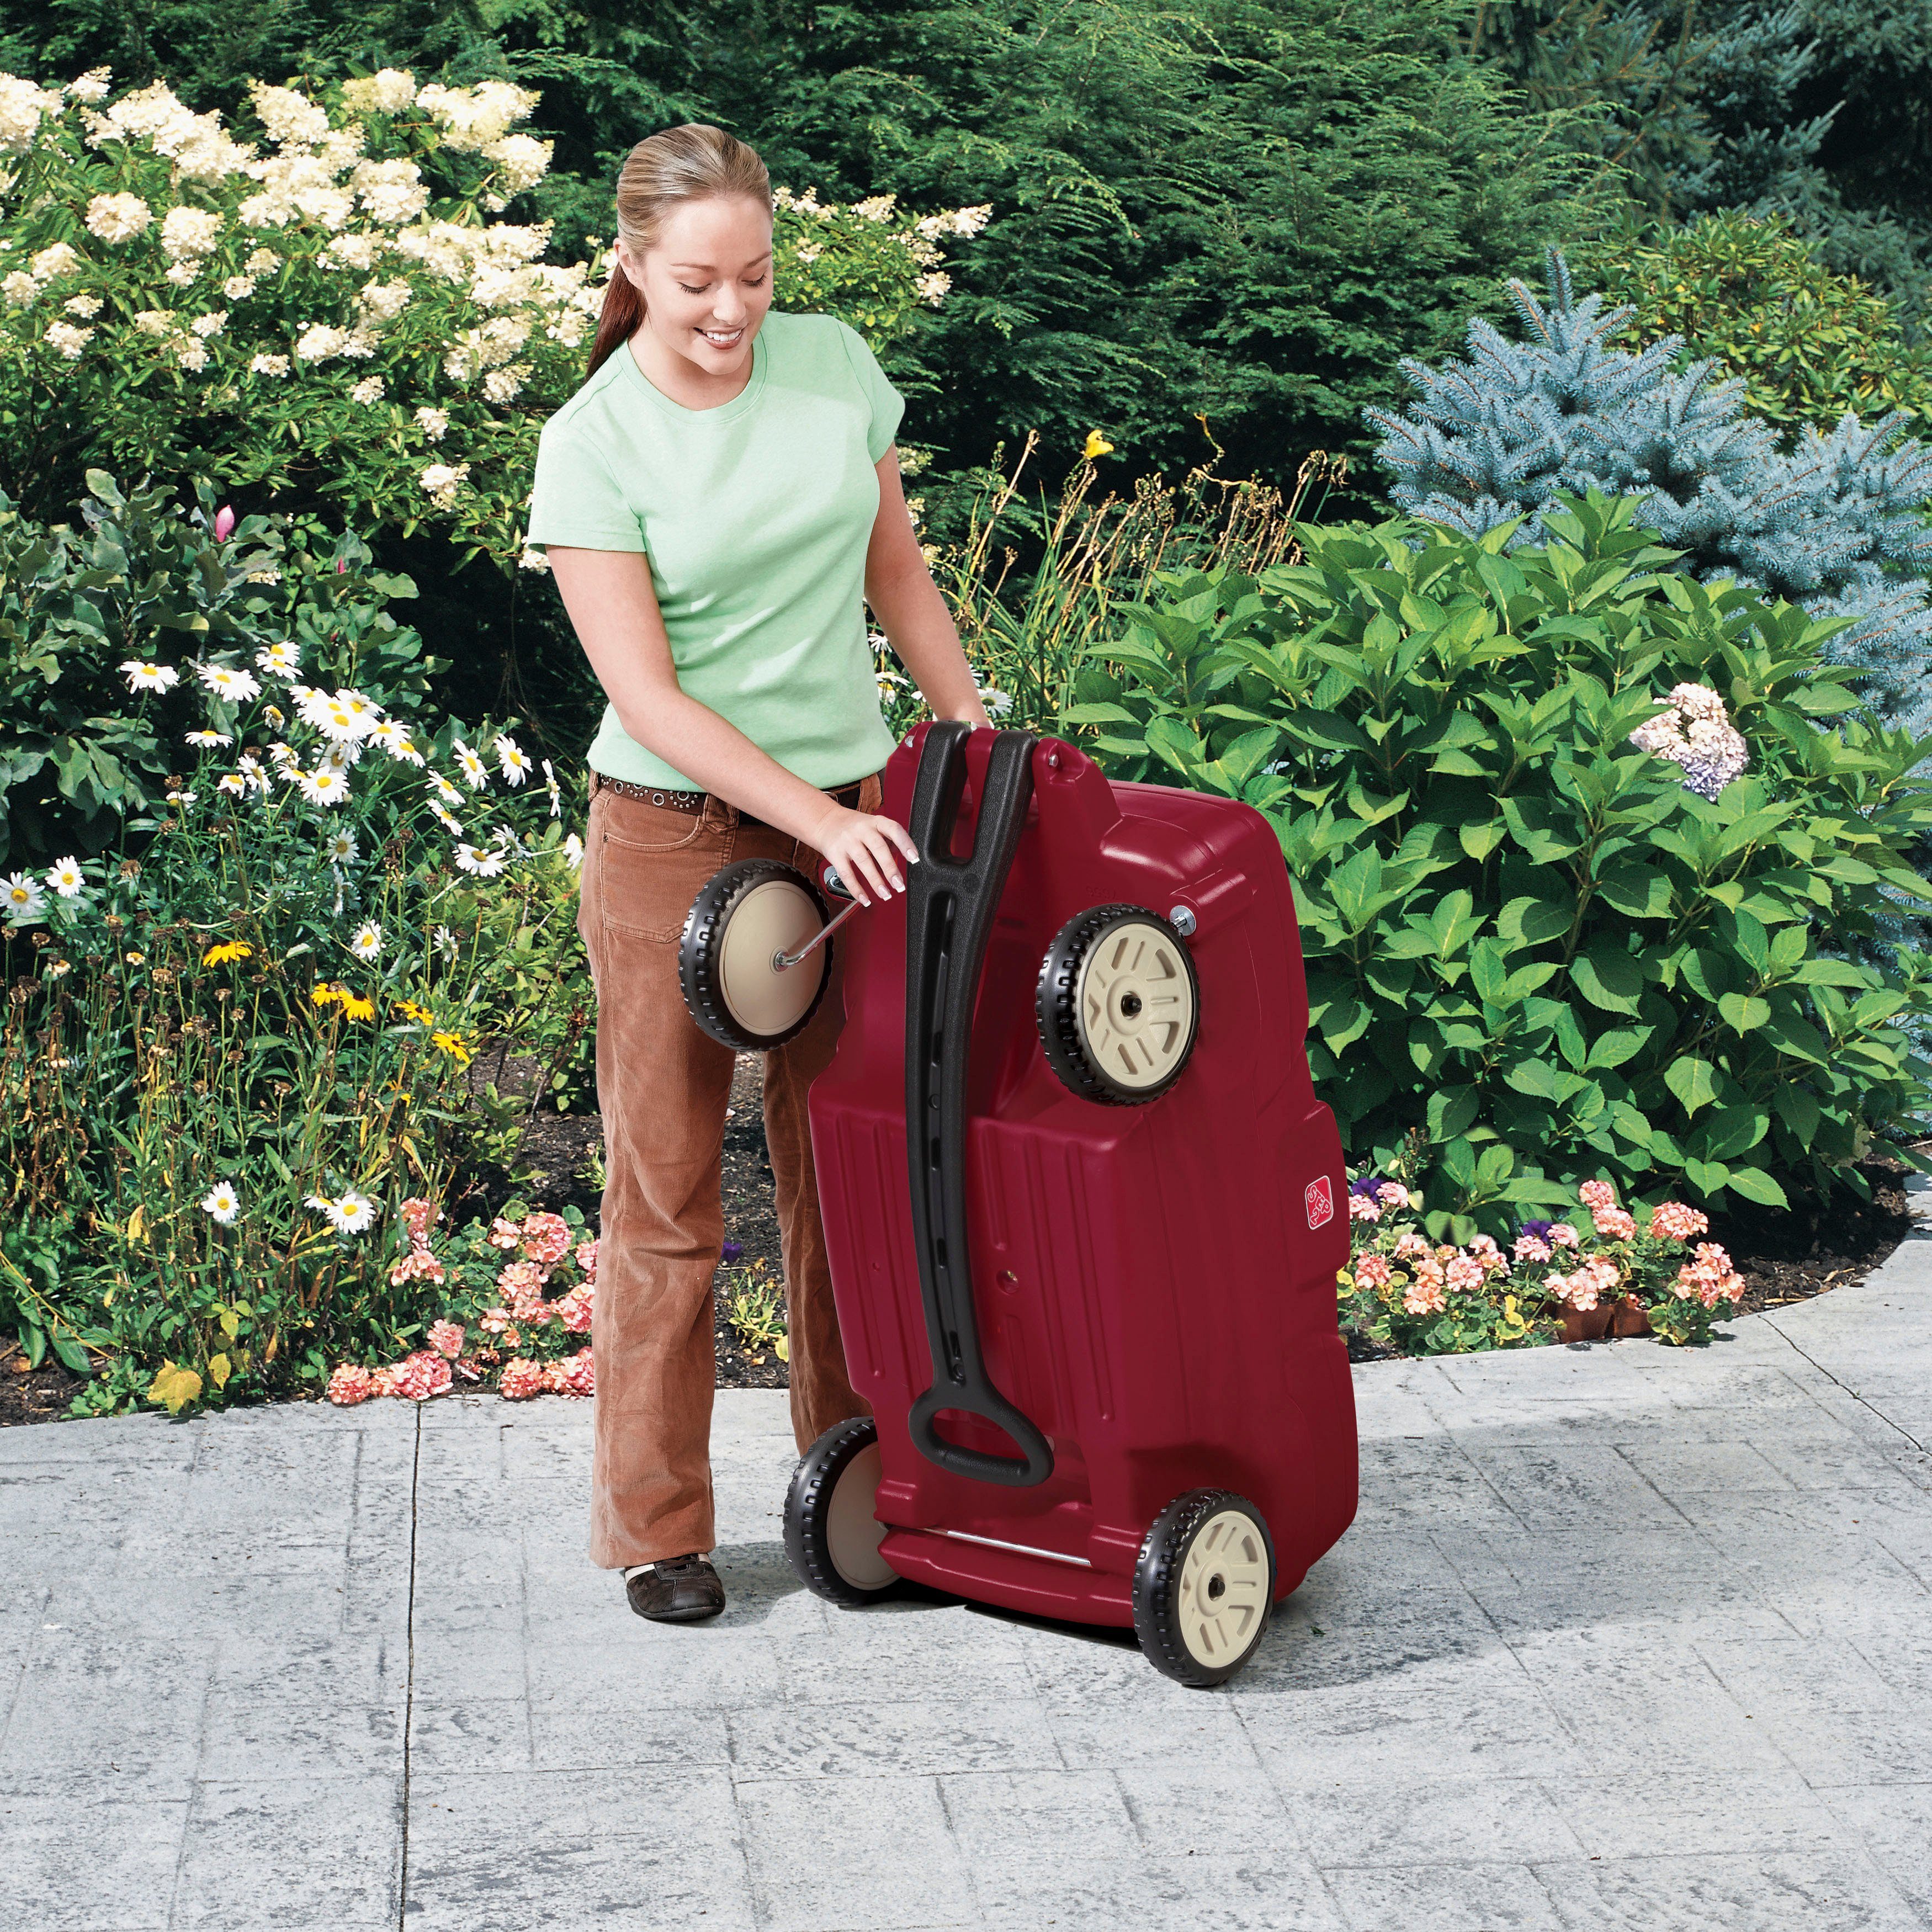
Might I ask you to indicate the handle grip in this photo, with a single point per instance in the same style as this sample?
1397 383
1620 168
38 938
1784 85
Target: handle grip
951 904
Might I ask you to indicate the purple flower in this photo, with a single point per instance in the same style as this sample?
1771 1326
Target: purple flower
732 1251
1366 1185
224 523
1537 1231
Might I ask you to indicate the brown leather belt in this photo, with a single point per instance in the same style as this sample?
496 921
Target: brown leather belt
693 802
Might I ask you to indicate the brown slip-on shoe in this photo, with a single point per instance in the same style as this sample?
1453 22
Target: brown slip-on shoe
676 1590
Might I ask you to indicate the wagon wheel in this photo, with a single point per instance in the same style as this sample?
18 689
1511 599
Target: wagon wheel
1204 1587
831 1535
1118 1005
749 913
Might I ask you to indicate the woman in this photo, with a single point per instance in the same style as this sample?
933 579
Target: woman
714 501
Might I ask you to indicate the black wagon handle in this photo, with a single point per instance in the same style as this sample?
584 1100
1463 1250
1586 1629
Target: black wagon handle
950 907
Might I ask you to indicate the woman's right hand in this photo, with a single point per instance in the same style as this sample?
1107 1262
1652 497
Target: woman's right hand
865 847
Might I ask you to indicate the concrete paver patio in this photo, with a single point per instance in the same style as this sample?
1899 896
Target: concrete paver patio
1623 1635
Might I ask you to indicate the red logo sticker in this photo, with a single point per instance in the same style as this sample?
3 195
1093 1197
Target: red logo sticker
1319 1199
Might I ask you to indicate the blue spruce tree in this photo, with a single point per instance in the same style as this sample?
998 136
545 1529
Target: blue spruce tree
1836 525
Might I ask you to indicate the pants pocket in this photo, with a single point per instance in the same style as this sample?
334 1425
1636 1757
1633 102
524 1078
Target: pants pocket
645 891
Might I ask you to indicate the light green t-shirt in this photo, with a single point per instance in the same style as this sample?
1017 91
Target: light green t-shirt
755 516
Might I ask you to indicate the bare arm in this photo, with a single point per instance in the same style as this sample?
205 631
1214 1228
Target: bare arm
614 611
910 609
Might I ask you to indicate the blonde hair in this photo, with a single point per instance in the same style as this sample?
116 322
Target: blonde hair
695 162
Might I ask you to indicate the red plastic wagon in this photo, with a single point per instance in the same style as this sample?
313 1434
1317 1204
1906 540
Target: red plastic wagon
1083 1212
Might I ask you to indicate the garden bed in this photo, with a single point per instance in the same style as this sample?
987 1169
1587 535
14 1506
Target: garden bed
1782 1257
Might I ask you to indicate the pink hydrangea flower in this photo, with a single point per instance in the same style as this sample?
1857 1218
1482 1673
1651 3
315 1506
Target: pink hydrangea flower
350 1384
1423 1295
1710 1278
546 1239
585 1255
421 1376
579 1375
418 1264
1361 1208
520 1380
505 1234
1409 1245
1371 1271
1673 1221
1598 1194
575 1309
1528 1248
1614 1224
446 1339
420 1215
522 1286
1393 1195
1562 1235
1595 1280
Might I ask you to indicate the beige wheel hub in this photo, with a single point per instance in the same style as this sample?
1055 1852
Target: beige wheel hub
853 1534
1224 1587
774 917
1135 1003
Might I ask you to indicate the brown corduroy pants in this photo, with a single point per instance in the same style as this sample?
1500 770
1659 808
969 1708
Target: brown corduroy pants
662 1085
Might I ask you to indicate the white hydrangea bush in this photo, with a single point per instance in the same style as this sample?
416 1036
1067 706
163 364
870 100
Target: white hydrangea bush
320 307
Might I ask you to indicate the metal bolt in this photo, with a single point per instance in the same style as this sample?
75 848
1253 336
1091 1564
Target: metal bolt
1182 920
1053 759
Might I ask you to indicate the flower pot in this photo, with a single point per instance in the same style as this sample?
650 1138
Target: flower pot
1629 1316
1587 1324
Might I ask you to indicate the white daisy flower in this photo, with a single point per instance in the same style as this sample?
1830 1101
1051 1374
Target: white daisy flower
444 790
143 676
222 1201
349 1216
323 786
444 940
226 681
368 943
573 850
556 791
396 742
64 878
232 783
284 754
182 797
486 865
511 761
342 756
366 710
249 772
474 769
447 819
340 848
207 740
279 660
21 896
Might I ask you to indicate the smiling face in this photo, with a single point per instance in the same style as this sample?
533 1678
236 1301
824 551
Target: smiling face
707 282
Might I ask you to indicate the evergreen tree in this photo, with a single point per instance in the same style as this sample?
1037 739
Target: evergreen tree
1836 524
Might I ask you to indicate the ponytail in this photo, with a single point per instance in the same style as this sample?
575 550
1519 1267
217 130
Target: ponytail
696 162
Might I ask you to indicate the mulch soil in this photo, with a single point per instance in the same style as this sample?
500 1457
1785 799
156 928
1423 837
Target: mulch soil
1782 1257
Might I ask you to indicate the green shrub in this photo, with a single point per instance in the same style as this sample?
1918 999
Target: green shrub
233 1044
319 312
137 582
1810 343
1524 935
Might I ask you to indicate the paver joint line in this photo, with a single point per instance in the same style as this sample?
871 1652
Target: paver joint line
409 1681
1862 1401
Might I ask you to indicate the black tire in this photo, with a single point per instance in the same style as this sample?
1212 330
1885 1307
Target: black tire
824 1535
700 953
1063 1036
1172 1609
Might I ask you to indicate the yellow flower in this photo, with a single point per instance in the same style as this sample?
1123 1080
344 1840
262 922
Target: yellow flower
1097 445
355 1007
452 1045
326 995
232 949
